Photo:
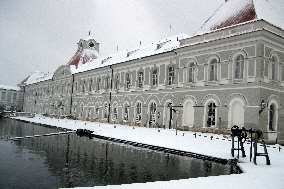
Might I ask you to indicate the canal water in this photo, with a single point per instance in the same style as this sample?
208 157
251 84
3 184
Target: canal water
69 160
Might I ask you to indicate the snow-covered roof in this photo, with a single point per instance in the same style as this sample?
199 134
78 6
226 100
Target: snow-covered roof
37 76
235 12
157 47
82 57
5 87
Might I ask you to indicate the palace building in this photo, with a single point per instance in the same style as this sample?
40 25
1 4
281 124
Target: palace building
231 72
11 98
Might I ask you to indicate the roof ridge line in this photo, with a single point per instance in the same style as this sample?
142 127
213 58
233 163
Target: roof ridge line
210 17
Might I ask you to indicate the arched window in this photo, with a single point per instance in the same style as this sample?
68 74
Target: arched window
153 108
191 72
106 110
126 112
138 112
89 113
211 114
239 68
271 117
97 111
273 68
171 75
213 70
82 110
115 112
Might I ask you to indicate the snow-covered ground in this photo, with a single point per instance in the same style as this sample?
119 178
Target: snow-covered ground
254 176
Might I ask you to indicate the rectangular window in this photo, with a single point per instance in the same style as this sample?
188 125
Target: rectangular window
127 81
14 96
171 76
83 86
3 95
99 84
107 83
116 82
155 78
140 79
91 85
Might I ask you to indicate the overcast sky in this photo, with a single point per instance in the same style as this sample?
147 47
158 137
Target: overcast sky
41 35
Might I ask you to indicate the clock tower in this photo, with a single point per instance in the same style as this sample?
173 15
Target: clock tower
88 43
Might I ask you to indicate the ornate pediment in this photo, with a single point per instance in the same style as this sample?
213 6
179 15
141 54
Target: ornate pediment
62 72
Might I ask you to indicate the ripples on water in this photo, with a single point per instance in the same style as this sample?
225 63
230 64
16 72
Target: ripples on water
71 160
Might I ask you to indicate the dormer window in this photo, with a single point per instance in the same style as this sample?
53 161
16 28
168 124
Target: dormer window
131 52
106 59
159 45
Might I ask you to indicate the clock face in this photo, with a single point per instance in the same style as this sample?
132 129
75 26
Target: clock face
91 45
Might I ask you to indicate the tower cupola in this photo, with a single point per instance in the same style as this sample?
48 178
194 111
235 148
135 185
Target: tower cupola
88 43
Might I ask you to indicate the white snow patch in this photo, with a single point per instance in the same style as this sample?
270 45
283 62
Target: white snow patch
38 76
5 87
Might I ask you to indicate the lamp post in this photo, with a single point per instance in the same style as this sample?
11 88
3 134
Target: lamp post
177 112
171 108
109 104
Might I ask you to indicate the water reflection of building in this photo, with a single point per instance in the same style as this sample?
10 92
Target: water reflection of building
79 160
230 73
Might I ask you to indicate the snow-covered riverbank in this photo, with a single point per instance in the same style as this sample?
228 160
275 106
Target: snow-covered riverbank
254 176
